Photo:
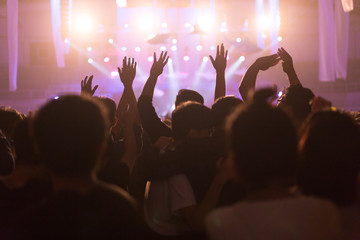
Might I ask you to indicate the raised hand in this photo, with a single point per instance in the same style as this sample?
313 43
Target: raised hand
128 72
86 88
266 62
158 65
287 62
220 60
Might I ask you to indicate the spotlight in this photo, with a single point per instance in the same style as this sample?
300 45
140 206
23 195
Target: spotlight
174 41
173 48
163 48
228 57
205 59
199 47
186 58
137 49
170 60
114 74
89 49
111 41
212 48
279 38
121 3
206 23
187 24
66 40
151 58
264 35
126 25
83 24
238 39
90 60
164 25
106 59
242 58
123 49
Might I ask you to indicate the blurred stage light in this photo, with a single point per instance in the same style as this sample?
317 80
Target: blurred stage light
164 25
238 39
223 27
187 24
56 97
163 48
106 59
199 47
151 58
83 24
279 38
242 58
90 60
264 35
89 49
174 40
66 40
212 48
206 23
114 74
146 22
126 25
186 58
121 3
123 49
137 49
111 41
173 48
263 23
170 60
228 57
205 59
280 94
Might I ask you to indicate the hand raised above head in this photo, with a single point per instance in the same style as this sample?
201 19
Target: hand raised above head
287 62
264 63
128 72
86 88
158 65
220 60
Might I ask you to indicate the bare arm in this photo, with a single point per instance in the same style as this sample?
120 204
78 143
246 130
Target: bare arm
249 80
288 67
220 64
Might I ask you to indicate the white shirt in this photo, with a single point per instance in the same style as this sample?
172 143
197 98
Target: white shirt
162 201
290 219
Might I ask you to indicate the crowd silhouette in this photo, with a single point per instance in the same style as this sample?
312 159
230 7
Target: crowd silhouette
84 167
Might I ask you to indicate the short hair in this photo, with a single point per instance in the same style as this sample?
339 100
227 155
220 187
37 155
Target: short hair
24 144
69 133
298 99
110 106
330 157
263 141
188 95
9 117
222 107
190 115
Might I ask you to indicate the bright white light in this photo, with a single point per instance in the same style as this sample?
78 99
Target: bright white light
187 24
206 23
173 48
83 24
66 40
170 60
163 48
174 41
114 74
90 60
173 107
137 49
151 58
279 38
242 58
123 49
126 25
223 24
89 49
186 58
280 94
106 59
146 22
212 48
228 57
111 41
56 97
263 23
264 35
205 59
121 3
238 39
164 25
199 47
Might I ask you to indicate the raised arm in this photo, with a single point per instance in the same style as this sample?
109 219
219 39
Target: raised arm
249 80
288 66
220 64
86 88
156 70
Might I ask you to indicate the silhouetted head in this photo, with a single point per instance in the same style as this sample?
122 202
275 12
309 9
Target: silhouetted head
221 109
330 157
262 142
191 119
70 134
297 100
185 95
9 117
110 106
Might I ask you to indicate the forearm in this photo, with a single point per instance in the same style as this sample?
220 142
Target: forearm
220 87
293 78
149 87
130 147
248 82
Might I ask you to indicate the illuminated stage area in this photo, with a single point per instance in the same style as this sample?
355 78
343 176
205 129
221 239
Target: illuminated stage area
59 42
